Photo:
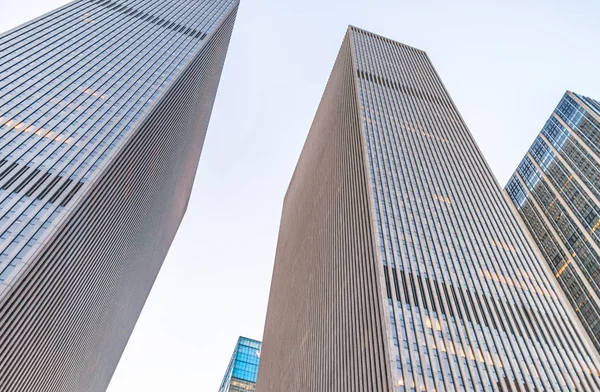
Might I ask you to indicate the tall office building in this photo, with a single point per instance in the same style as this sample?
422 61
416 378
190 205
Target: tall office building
399 265
556 190
243 367
104 106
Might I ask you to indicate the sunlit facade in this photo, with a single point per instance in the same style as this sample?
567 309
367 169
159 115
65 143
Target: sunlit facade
399 265
243 368
556 190
104 106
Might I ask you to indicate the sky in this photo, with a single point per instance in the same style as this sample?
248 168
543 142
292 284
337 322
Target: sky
505 63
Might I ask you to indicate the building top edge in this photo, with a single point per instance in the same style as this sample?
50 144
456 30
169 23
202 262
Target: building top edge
352 28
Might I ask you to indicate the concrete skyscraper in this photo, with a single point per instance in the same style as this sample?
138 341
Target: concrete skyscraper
104 106
243 367
399 265
556 190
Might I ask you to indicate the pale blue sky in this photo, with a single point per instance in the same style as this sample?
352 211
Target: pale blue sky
506 64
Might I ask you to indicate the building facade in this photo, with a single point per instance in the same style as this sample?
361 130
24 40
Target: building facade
556 191
104 106
399 265
243 368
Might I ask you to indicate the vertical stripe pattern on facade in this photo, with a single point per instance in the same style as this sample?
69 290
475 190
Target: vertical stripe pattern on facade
104 116
556 190
324 328
463 302
478 310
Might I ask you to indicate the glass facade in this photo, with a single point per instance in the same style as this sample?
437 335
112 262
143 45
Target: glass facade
400 266
70 101
243 368
104 106
556 190
466 292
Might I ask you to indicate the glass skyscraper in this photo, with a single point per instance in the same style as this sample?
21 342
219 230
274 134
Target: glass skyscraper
104 106
399 265
556 190
243 368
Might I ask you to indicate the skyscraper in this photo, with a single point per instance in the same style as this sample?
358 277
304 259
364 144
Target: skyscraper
104 106
556 190
399 264
243 367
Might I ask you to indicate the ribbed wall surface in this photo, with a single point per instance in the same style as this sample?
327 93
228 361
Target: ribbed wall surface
324 329
71 300
421 275
471 305
556 190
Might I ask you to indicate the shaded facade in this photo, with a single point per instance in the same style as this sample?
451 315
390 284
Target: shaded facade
243 368
556 190
399 265
104 107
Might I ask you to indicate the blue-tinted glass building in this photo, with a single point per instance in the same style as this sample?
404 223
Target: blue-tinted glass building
243 368
556 190
104 106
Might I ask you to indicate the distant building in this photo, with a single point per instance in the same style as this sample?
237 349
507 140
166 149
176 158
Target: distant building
400 266
556 190
104 107
243 368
